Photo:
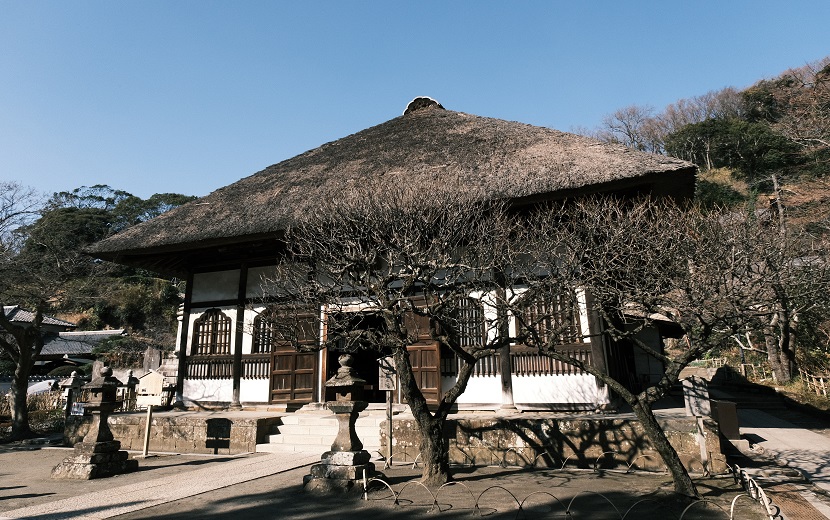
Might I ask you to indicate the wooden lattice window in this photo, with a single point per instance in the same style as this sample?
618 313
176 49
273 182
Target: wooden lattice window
470 330
212 334
287 329
265 332
469 325
555 320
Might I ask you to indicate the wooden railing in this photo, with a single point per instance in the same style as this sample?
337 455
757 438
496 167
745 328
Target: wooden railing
533 364
536 365
254 366
818 384
209 367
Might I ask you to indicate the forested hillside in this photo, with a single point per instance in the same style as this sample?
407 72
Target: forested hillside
764 151
44 268
740 138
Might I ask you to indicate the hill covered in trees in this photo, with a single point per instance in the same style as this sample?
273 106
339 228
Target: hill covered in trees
763 150
44 268
741 139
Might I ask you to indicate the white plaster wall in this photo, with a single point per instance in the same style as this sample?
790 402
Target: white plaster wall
481 389
179 322
558 389
254 390
248 328
218 285
208 390
570 389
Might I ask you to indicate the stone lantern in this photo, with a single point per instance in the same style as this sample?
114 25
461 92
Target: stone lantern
347 463
98 454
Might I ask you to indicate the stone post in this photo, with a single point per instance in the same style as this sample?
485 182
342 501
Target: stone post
71 388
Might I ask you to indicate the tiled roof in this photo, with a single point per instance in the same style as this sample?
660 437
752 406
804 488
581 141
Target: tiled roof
16 314
75 343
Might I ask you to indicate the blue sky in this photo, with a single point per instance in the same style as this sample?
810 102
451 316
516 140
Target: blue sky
188 96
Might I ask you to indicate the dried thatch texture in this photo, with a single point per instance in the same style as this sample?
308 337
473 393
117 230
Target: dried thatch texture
489 158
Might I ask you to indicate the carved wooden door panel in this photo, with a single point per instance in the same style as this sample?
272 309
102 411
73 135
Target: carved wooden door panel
293 376
426 367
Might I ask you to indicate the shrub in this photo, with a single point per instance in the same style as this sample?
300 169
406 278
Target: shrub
64 371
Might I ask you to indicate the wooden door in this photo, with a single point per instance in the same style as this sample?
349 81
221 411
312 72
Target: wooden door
425 357
293 376
426 367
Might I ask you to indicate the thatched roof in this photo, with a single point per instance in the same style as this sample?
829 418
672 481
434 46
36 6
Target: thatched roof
490 157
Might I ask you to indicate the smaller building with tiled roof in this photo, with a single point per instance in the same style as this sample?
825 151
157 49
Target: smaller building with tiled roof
74 344
17 314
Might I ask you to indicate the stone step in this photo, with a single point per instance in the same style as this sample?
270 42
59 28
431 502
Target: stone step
309 420
316 431
320 439
285 448
301 440
302 429
317 419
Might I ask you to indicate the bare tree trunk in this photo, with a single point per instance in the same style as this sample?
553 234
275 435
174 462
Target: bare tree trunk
779 205
773 345
434 453
682 481
773 355
20 410
786 351
779 337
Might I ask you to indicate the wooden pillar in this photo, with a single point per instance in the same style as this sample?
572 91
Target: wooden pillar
506 369
239 335
183 344
505 365
595 329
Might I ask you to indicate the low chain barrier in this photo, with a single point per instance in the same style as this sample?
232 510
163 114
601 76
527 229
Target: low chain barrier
375 488
754 492
536 503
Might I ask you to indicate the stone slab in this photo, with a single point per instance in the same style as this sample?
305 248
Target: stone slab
331 471
97 447
346 458
70 469
330 486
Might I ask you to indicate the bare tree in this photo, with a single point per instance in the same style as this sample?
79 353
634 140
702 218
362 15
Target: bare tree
37 263
641 128
19 206
389 270
804 97
647 263
796 276
393 269
632 126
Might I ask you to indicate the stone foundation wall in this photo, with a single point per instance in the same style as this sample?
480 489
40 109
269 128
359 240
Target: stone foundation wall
180 434
548 442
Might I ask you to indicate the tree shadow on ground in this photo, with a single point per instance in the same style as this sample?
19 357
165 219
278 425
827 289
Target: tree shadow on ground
500 493
199 462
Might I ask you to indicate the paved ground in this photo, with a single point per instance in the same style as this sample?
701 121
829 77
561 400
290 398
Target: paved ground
805 449
270 486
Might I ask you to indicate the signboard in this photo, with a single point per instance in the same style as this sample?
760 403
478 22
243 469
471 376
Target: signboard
386 376
77 409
